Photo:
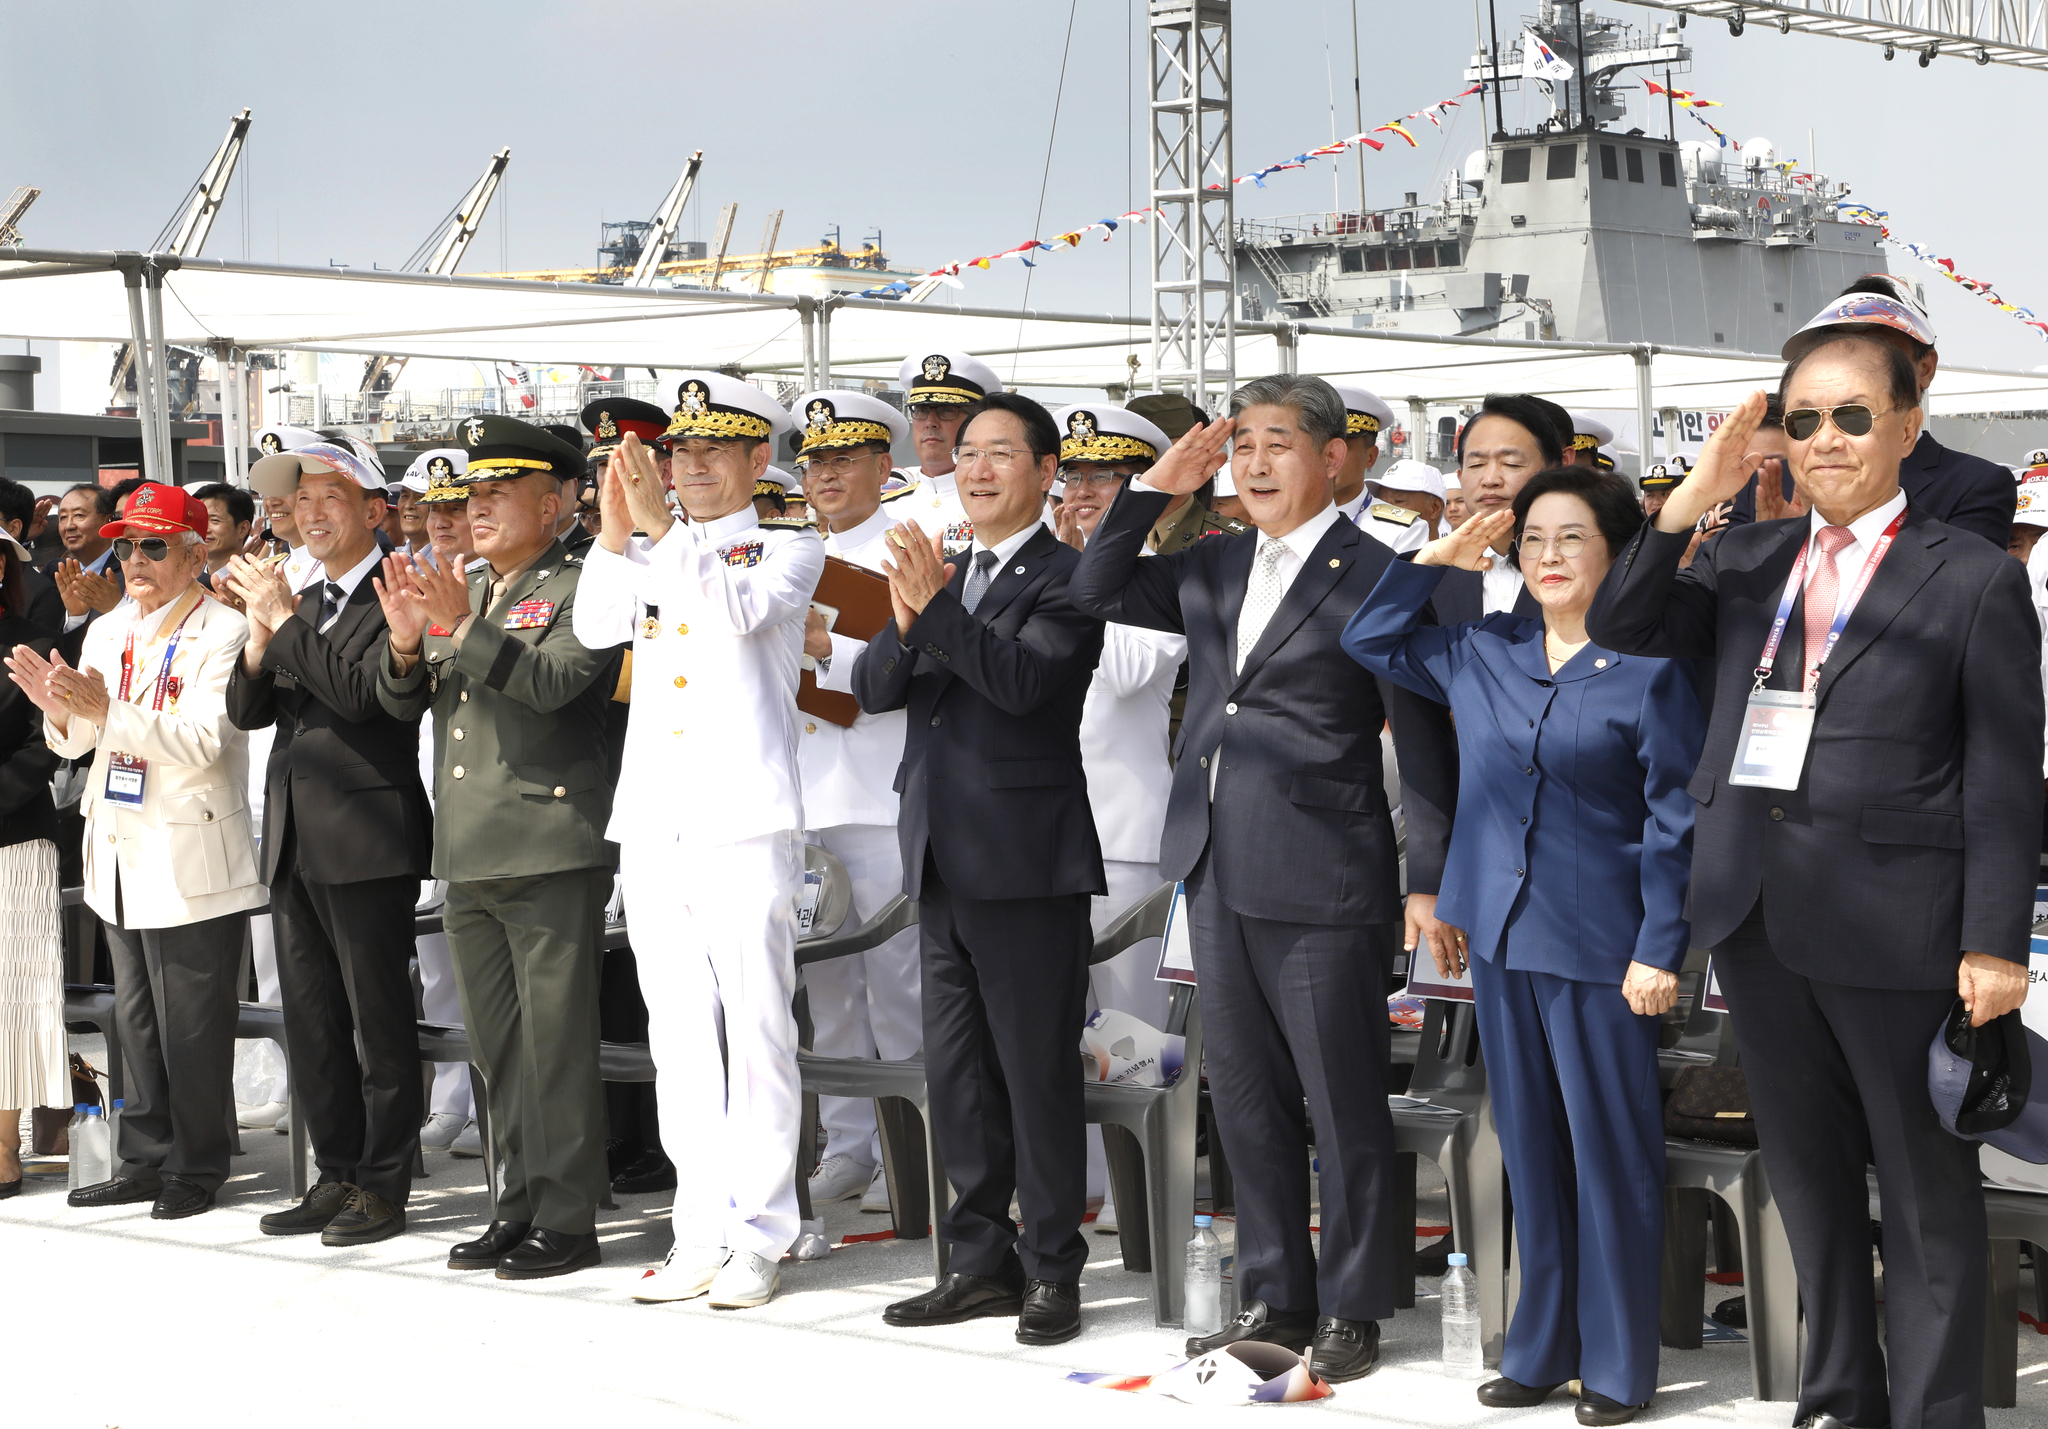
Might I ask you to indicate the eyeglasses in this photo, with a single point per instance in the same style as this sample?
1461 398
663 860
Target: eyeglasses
1568 543
841 465
1093 478
154 548
1853 419
1002 458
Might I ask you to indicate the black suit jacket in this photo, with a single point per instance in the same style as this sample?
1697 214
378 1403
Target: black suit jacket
345 770
26 759
991 778
1298 830
1913 834
45 606
1963 491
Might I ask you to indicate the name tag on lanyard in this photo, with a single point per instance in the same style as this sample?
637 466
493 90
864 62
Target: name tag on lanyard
1777 725
128 774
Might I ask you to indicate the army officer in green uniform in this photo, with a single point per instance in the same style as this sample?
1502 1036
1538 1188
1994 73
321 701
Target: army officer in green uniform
521 803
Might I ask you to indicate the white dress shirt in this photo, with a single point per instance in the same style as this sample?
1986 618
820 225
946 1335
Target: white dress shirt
1296 547
300 568
1004 549
849 771
715 611
1863 532
1502 585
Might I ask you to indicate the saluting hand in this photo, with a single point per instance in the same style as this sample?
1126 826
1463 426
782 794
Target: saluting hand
1724 468
1771 502
1192 460
921 573
1470 547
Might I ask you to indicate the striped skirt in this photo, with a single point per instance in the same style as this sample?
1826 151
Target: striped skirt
33 1067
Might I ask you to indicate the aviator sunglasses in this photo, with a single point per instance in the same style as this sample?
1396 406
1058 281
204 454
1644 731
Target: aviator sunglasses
154 548
1854 420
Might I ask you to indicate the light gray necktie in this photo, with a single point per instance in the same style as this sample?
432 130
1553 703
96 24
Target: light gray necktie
1261 597
978 579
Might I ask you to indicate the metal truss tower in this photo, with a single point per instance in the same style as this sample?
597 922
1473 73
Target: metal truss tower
1194 310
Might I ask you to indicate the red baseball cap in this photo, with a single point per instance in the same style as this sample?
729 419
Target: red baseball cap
153 509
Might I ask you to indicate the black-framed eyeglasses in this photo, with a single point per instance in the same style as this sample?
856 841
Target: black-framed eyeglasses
154 548
1851 419
1568 543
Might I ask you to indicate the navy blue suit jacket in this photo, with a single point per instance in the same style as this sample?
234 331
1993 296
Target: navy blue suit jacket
991 777
1573 841
1298 830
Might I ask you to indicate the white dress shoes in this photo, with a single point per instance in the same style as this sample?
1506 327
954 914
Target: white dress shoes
687 1273
468 1142
745 1281
441 1129
839 1177
876 1199
262 1115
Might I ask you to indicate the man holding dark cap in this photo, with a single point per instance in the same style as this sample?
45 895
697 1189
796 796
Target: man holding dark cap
346 830
520 801
169 863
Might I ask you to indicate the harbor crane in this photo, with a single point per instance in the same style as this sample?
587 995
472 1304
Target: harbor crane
449 241
655 246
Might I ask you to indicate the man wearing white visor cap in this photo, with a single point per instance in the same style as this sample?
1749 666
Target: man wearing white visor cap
1963 491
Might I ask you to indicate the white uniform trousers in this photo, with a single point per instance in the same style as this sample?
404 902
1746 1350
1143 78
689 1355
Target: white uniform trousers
440 1003
866 1004
714 938
1126 982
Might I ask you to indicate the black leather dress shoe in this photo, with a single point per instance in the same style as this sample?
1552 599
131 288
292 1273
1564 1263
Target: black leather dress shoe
652 1171
1823 1421
366 1218
1259 1321
121 1191
314 1210
1505 1393
180 1199
1344 1349
1734 1313
488 1249
1599 1409
545 1252
10 1189
962 1297
1051 1314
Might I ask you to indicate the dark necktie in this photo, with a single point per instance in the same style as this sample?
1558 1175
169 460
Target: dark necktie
978 579
331 598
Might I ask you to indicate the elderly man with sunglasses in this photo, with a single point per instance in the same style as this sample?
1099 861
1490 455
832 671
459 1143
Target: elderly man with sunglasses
170 866
1863 854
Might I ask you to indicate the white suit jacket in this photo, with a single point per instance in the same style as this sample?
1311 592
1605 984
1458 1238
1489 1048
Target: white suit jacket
849 771
715 612
187 854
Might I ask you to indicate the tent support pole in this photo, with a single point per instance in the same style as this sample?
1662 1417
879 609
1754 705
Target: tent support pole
131 275
1418 431
807 315
825 340
1643 409
160 387
1287 346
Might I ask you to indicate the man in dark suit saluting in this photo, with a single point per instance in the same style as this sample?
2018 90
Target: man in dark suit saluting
1278 823
346 840
1864 853
993 663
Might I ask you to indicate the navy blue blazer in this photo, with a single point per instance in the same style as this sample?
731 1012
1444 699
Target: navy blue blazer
1573 841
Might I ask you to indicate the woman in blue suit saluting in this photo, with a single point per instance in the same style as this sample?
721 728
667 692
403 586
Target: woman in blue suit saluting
1566 879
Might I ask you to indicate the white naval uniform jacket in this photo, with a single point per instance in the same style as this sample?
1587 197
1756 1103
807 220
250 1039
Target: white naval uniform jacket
715 611
1124 740
933 502
1395 527
187 854
849 771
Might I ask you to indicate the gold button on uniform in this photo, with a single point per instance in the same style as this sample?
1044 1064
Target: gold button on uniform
456 733
464 697
110 838
680 682
682 630
810 729
457 771
560 791
207 817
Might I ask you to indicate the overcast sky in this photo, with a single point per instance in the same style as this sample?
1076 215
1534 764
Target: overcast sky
927 121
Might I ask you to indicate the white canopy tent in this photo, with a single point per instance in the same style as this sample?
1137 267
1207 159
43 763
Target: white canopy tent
233 308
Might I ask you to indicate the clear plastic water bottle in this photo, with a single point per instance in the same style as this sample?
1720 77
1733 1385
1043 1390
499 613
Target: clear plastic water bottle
114 1133
91 1157
1204 1285
1463 1356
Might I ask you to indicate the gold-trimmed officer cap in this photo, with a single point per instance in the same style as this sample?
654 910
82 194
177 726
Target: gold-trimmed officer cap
500 448
945 379
1365 415
447 463
274 439
837 418
1589 433
446 476
608 419
721 408
775 482
1107 434
1658 478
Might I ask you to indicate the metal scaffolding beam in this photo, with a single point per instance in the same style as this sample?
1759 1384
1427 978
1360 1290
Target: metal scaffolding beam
2007 32
1194 309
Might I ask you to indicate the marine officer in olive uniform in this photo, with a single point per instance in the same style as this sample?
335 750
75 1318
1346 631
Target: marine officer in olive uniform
521 802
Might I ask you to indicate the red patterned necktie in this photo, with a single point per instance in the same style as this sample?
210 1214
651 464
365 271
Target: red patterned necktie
1823 592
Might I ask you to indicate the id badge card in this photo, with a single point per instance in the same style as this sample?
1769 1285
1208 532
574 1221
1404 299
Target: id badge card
1777 725
126 776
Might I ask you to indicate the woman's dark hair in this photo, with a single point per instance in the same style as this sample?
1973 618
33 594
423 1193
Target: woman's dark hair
1540 418
1898 368
1040 430
1616 509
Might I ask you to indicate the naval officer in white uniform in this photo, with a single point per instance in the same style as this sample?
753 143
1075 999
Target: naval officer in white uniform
941 390
709 818
1365 417
866 1004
